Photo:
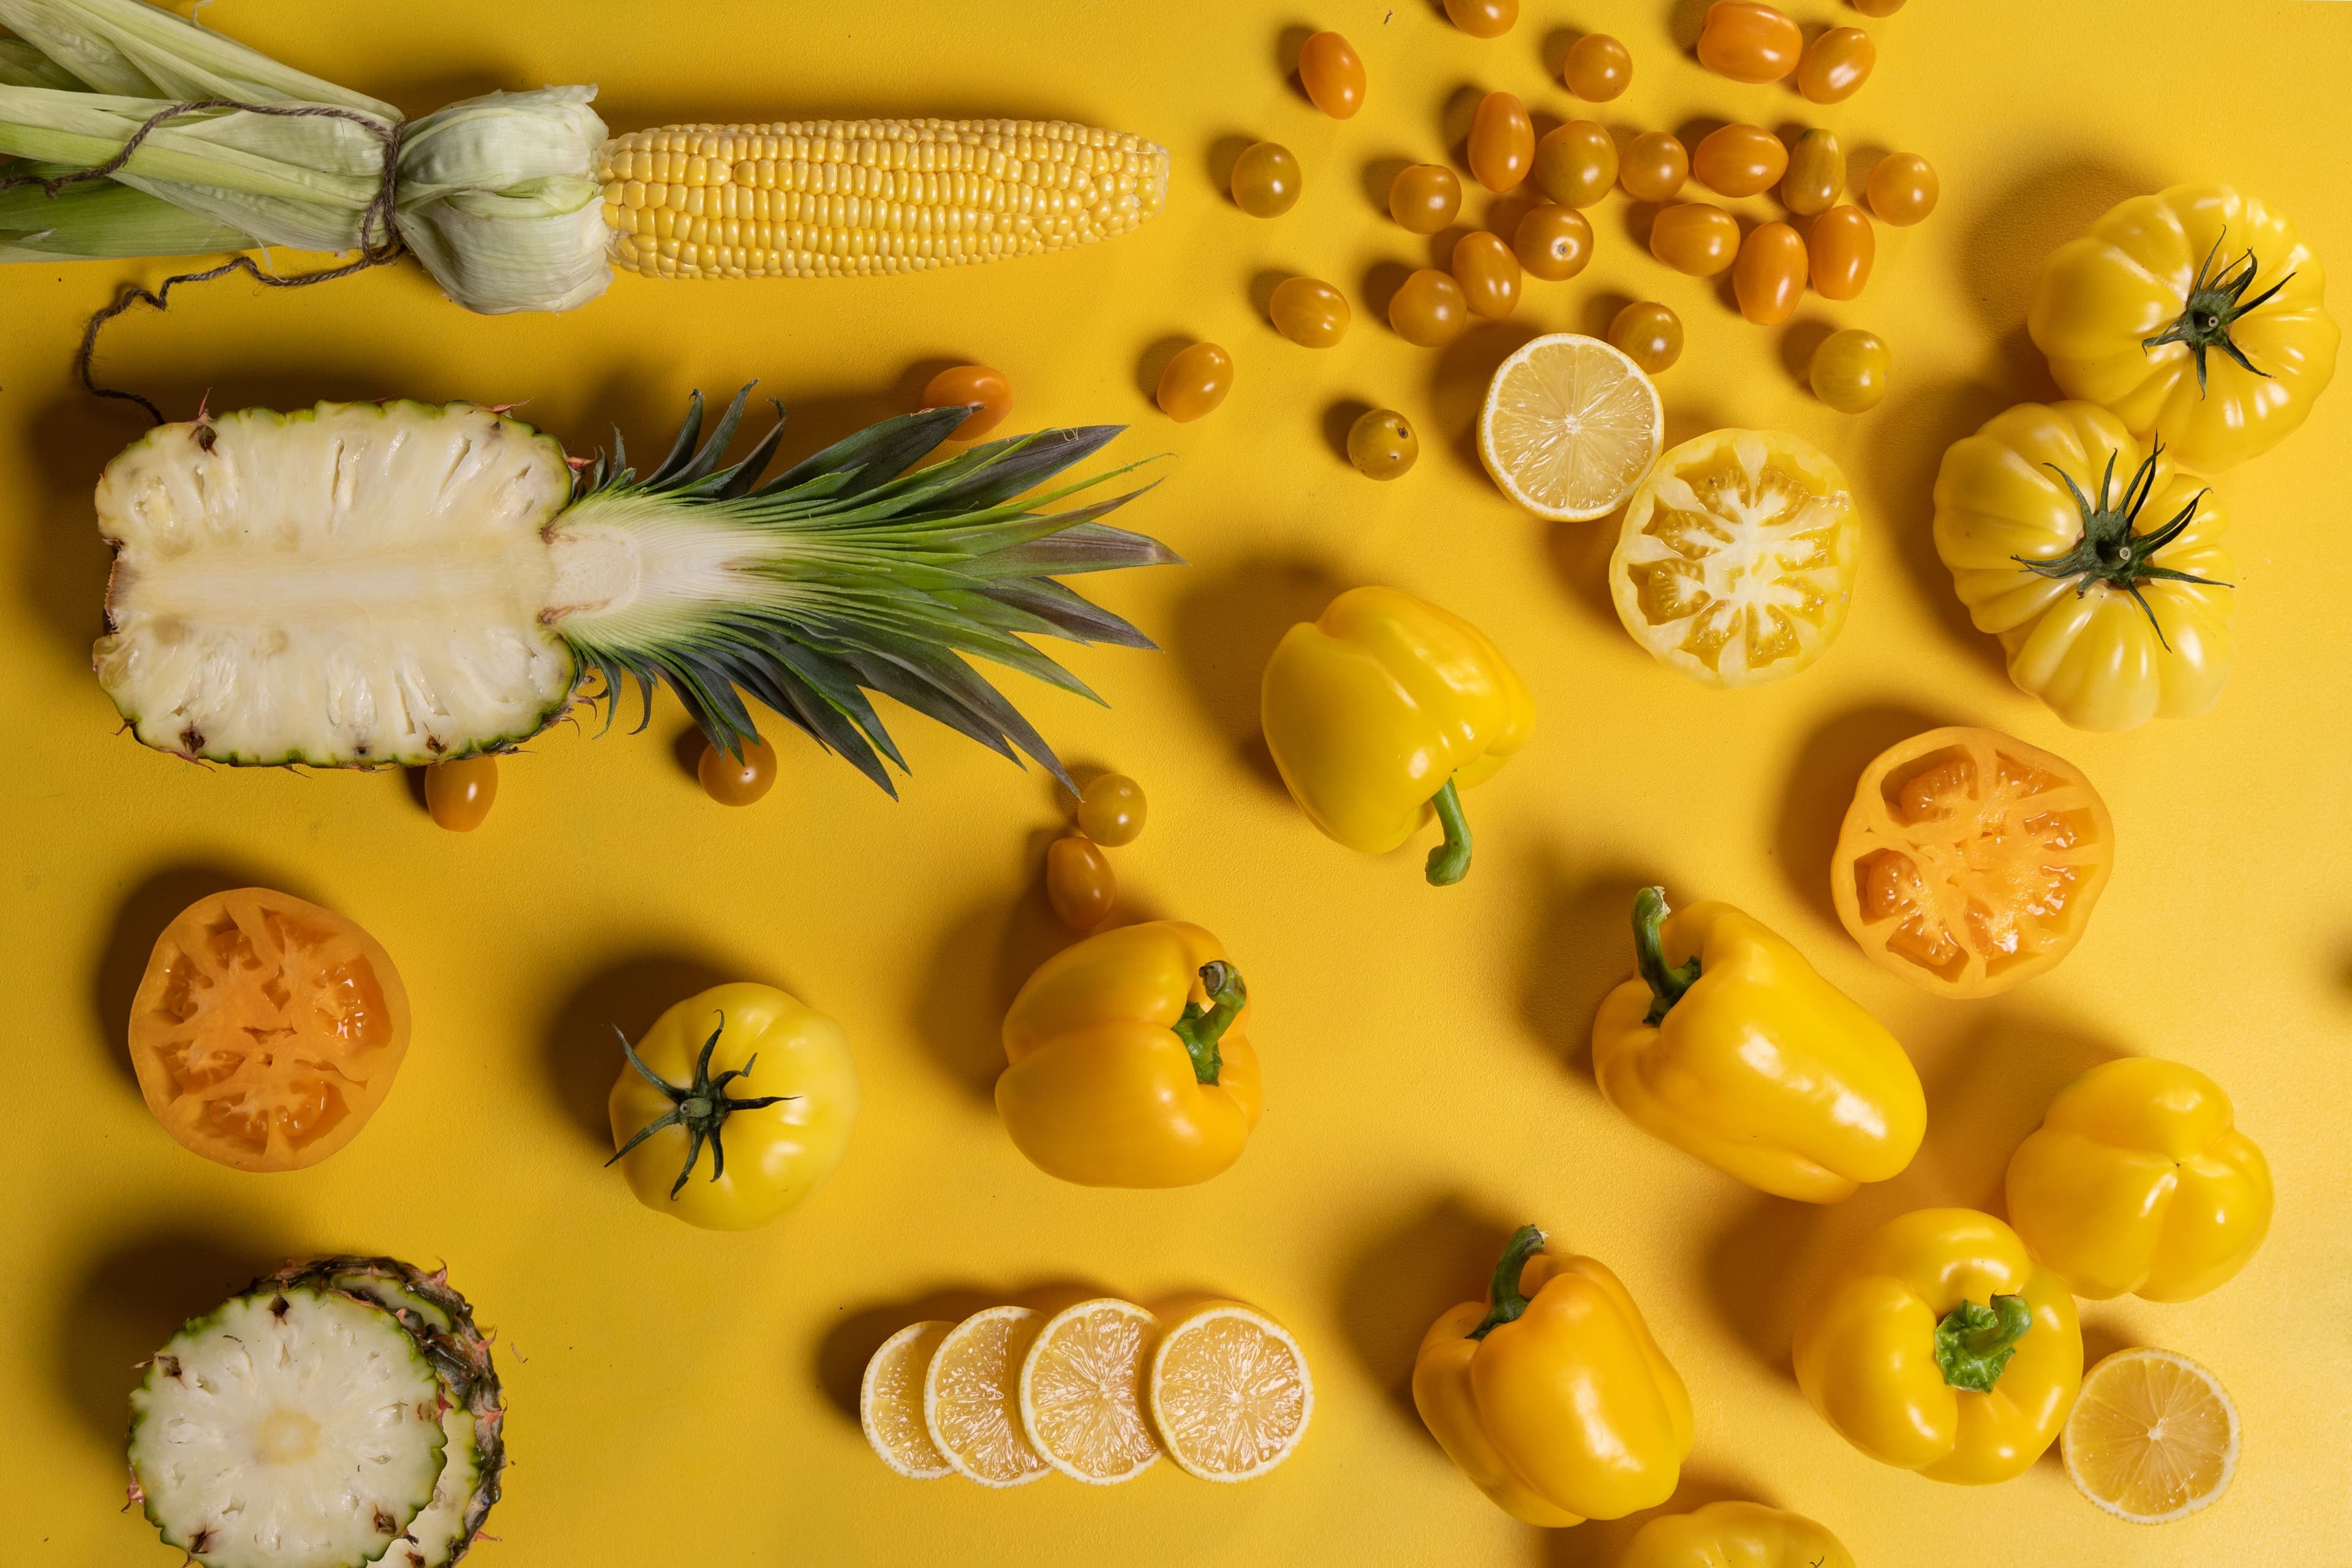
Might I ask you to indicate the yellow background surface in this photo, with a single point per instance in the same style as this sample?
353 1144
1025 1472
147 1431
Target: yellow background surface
681 1397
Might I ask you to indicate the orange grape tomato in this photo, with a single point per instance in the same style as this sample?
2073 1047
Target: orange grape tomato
1553 242
1649 335
1502 142
460 794
1429 309
1850 370
1425 197
1488 272
1816 175
1768 278
1739 160
1079 883
1654 167
1195 382
736 781
1333 75
1308 312
1597 68
1695 238
1842 246
1969 862
266 1031
1483 18
1576 163
1836 64
968 384
1266 180
1111 809
1877 8
1382 443
1902 188
1748 42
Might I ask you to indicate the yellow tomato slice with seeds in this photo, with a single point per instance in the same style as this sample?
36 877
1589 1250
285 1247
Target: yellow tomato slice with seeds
1230 1394
972 1397
2153 1436
1734 564
890 1402
1082 1392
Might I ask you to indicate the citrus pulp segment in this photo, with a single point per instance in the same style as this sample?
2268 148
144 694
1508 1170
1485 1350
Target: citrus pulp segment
890 1402
972 1397
1230 1393
1570 426
2153 1436
1082 1392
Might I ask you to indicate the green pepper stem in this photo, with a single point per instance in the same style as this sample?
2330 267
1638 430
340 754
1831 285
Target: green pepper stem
1973 1343
1450 861
1666 985
1504 1301
1201 1028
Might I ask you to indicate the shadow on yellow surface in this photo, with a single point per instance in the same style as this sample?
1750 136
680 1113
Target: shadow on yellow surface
1405 1274
1225 629
1582 949
579 1050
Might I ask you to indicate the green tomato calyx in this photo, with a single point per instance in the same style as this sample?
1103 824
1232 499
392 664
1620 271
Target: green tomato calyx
2214 306
1974 1342
701 1108
2112 550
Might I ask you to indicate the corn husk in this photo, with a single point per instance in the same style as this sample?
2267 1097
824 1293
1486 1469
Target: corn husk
495 194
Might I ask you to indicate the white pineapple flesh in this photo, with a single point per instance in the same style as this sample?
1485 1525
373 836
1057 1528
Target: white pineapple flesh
291 1428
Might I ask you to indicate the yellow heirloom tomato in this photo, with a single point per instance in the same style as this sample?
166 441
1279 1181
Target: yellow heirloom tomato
1730 1047
2139 1182
1942 1347
1127 1066
766 1083
2100 569
1735 1535
1551 1396
2195 315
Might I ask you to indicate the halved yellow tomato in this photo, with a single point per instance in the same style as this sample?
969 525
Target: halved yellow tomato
1735 564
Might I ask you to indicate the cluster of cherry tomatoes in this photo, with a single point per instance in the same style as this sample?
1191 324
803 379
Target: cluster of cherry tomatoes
1078 880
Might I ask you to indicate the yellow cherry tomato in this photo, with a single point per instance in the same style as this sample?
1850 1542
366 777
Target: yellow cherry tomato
1576 163
1308 312
1597 68
1768 278
1483 18
968 384
1553 242
1382 443
1266 180
1502 142
1111 810
1850 370
1654 167
1195 382
1877 8
736 781
1425 197
1816 176
460 794
1429 309
1079 883
1333 75
1748 42
1488 272
1739 160
1649 335
1842 247
1836 64
1695 238
1902 188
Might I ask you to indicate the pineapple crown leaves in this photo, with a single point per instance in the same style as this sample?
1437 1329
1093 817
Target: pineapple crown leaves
874 575
702 1107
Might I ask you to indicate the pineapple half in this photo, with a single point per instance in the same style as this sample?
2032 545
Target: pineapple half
370 584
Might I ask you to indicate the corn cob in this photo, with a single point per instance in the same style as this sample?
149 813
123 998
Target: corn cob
839 198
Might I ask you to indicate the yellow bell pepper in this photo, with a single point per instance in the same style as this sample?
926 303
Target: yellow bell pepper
1942 1347
1735 1535
1128 1064
1383 711
1729 1045
2137 1182
1554 1398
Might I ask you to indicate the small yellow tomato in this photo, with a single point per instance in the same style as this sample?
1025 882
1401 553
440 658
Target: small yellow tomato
1816 175
1195 382
1502 142
1488 272
1382 443
1902 188
1333 75
1079 883
1483 18
1424 197
1877 8
1266 180
1428 309
1739 160
1654 167
968 384
736 781
1842 247
1748 42
1836 64
460 794
1576 163
1111 809
1695 238
1648 333
1553 242
1850 370
1768 278
1597 68
1308 312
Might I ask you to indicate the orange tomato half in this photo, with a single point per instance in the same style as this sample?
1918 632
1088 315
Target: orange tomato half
266 1030
1969 862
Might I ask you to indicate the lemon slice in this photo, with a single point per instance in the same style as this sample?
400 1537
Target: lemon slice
890 1402
2153 1436
1571 426
972 1397
1230 1394
1082 1392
